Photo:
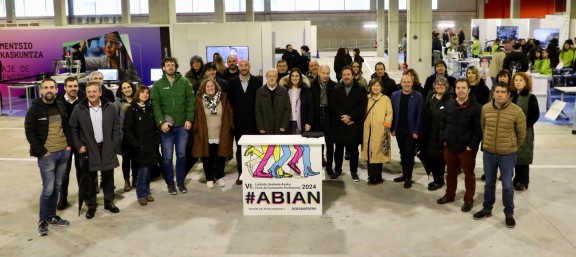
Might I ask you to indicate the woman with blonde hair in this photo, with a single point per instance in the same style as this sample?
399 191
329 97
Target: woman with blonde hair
376 138
478 88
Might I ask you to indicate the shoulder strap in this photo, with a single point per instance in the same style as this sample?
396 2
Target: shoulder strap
368 112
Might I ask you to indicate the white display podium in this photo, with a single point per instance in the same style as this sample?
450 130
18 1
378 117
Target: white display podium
540 86
282 174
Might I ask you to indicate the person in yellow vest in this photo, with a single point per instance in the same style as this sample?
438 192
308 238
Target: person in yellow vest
567 54
476 47
495 45
545 66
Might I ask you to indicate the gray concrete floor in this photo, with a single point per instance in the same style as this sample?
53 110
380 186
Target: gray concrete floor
357 220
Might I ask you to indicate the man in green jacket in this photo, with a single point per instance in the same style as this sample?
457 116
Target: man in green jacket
503 129
173 106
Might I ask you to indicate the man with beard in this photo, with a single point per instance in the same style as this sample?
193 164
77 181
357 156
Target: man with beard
232 70
348 106
210 72
242 96
291 57
48 133
173 105
321 92
70 98
95 127
282 68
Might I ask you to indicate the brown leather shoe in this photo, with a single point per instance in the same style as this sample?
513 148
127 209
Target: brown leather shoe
466 207
142 201
150 198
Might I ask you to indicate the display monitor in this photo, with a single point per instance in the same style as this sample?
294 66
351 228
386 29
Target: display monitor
155 74
545 35
109 74
507 32
241 52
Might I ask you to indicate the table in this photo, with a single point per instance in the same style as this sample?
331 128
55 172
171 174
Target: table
25 86
565 90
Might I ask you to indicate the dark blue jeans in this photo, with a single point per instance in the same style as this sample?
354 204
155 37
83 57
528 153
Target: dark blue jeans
52 168
143 184
506 164
175 138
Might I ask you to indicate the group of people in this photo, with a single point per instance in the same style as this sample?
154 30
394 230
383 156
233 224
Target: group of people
198 115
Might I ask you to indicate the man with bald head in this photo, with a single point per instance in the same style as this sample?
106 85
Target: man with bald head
242 96
321 91
232 70
313 68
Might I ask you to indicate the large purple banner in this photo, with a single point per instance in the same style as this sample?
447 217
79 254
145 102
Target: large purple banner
27 52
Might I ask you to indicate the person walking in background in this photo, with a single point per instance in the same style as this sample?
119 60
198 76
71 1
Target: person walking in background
141 135
376 135
504 130
407 106
212 130
339 63
48 133
357 58
461 133
173 106
523 97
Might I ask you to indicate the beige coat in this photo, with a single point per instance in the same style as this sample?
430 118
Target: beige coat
376 127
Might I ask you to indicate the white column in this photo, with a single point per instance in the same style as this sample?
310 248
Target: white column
60 18
514 9
381 30
420 36
10 12
393 34
219 11
164 11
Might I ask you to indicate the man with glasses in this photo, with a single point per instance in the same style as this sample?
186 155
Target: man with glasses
115 57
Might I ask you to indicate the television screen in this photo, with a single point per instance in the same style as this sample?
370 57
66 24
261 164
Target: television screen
155 74
241 52
545 35
507 32
109 74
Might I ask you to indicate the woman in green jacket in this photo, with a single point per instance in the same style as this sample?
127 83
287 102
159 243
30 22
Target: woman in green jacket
545 66
567 54
476 47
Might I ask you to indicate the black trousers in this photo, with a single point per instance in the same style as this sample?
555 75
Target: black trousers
326 127
522 174
437 168
66 177
339 157
407 145
107 185
128 162
213 164
375 171
238 154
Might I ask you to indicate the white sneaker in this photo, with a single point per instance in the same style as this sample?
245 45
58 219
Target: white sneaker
210 184
221 183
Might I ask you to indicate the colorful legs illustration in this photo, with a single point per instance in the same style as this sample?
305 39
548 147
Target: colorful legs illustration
251 150
307 164
281 172
277 166
259 170
293 163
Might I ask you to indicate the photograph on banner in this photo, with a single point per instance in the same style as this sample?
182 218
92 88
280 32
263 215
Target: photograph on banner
282 179
241 52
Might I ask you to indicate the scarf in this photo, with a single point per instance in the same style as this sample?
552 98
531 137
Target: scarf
211 102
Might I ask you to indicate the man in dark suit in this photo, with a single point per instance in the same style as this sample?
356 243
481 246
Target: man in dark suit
322 88
348 104
242 96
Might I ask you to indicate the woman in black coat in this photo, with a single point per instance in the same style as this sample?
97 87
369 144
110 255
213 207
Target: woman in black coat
141 133
478 88
300 96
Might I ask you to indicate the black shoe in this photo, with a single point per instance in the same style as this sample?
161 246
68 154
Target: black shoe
482 214
172 189
329 172
323 162
510 222
520 187
62 203
90 213
444 200
347 156
434 186
42 228
355 177
182 188
111 207
373 182
483 177
335 175
399 179
466 207
407 183
57 221
238 181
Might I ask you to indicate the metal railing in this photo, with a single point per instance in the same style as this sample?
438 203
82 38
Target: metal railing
332 45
